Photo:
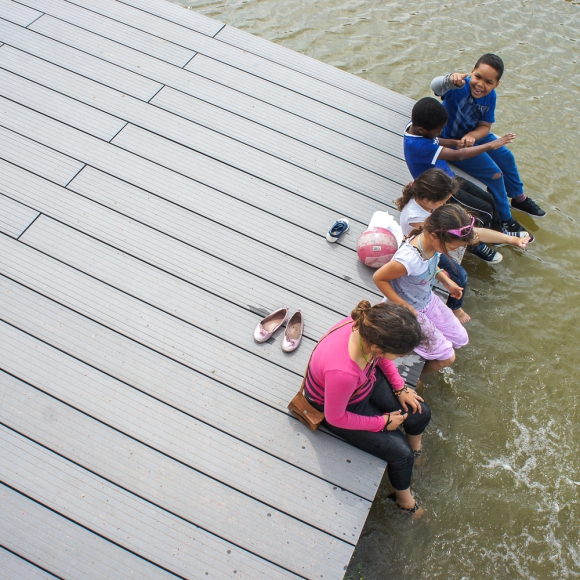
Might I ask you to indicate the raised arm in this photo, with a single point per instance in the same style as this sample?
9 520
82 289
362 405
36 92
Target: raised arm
449 82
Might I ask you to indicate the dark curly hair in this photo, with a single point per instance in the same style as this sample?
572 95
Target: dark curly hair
391 327
428 113
434 185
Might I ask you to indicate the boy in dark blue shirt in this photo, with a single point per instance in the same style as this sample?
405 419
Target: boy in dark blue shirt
470 101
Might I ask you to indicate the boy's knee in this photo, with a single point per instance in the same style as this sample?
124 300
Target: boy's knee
496 176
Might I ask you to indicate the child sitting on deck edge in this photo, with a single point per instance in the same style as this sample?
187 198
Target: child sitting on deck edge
470 101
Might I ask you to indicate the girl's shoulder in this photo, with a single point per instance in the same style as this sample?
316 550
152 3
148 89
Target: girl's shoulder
410 256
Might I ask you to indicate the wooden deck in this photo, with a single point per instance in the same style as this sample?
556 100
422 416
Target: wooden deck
165 180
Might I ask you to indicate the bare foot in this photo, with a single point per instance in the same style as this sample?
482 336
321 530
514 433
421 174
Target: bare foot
462 316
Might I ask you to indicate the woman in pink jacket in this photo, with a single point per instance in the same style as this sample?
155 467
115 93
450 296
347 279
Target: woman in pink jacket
353 379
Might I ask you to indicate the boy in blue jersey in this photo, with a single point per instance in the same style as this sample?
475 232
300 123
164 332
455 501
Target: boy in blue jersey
424 150
470 101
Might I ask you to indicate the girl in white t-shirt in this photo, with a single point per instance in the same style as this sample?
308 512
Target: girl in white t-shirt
420 198
409 277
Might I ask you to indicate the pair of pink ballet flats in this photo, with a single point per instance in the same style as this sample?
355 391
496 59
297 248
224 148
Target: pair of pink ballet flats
293 333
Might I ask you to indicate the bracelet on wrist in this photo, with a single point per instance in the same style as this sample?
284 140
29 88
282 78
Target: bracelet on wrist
388 421
398 393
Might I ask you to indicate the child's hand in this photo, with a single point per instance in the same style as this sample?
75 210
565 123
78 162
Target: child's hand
458 79
453 289
411 309
467 141
505 140
520 242
393 420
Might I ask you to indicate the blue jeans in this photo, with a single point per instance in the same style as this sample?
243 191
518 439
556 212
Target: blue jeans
458 274
486 165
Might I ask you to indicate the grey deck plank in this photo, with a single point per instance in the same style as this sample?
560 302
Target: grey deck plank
389 166
354 280
49 163
290 79
200 396
227 72
137 525
231 364
344 185
63 547
87 119
177 298
250 282
133 84
190 19
14 217
175 434
125 35
179 254
21 15
317 69
273 200
170 485
13 567
295 172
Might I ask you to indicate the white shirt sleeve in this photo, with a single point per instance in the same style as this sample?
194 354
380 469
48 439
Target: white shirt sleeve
409 257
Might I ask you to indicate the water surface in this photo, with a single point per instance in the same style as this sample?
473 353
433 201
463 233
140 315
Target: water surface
500 476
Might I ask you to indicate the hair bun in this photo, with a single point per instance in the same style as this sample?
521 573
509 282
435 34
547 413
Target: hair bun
360 309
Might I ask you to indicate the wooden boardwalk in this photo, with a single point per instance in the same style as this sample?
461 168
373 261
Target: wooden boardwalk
165 180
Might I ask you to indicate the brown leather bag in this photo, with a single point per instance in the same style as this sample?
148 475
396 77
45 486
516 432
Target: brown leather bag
299 405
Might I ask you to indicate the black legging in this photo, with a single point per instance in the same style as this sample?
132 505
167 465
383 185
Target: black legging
392 446
479 203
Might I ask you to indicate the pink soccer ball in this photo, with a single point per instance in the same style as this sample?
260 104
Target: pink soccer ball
376 247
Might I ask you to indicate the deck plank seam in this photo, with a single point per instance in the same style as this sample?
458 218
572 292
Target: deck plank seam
107 142
168 456
30 23
183 67
61 154
26 228
217 60
54 511
4 547
214 35
149 101
176 408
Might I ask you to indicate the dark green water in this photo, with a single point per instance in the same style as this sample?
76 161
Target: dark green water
500 477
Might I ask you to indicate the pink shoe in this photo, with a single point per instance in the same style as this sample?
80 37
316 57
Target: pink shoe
269 325
293 332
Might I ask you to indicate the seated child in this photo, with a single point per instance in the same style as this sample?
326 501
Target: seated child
429 191
424 150
470 102
409 277
420 198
